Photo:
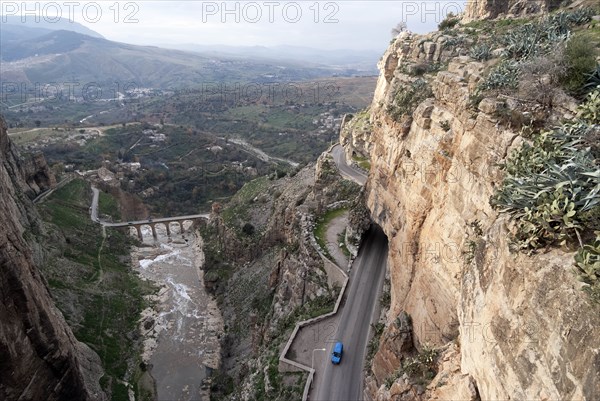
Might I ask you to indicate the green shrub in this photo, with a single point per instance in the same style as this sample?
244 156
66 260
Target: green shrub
421 368
593 79
581 64
373 345
449 22
590 110
408 98
385 299
475 98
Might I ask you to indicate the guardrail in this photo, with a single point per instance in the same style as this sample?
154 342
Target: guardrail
299 325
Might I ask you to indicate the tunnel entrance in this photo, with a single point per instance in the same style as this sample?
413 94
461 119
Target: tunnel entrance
374 237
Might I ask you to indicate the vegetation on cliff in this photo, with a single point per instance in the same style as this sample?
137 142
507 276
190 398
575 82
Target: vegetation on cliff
552 182
91 280
552 190
535 65
537 56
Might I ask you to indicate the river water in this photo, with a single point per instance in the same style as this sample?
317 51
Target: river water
183 326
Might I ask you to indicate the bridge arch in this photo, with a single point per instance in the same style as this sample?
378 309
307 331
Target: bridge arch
164 222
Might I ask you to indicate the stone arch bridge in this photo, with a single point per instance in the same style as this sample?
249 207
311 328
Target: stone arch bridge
166 221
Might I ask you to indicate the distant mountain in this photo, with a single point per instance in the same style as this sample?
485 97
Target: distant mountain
66 56
364 60
51 42
14 32
11 34
61 24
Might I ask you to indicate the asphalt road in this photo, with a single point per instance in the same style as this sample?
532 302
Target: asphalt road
348 172
343 382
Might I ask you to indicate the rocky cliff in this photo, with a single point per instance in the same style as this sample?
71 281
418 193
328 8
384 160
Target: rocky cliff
488 9
481 9
34 174
40 357
508 324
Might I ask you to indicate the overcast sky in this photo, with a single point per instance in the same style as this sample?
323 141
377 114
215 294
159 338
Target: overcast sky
354 24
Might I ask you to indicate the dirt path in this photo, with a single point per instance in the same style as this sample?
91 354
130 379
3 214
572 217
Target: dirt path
334 229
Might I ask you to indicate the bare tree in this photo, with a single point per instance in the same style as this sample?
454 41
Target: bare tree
540 76
400 27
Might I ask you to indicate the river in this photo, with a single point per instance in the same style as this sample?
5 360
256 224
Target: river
183 327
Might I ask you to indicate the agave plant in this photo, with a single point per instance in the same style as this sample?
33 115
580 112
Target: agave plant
549 184
481 52
521 43
504 75
593 80
539 37
587 263
580 16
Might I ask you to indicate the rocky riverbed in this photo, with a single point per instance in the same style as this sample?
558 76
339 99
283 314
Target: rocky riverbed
183 325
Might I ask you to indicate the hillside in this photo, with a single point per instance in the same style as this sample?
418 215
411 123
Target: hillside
66 56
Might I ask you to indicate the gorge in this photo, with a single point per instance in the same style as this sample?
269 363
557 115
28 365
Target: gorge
481 300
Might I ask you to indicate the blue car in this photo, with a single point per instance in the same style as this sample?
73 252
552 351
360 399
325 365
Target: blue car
336 355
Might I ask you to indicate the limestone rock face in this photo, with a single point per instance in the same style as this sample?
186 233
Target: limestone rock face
40 357
489 9
33 170
525 328
355 135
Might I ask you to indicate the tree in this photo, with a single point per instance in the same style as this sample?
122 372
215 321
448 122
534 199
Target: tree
37 123
399 28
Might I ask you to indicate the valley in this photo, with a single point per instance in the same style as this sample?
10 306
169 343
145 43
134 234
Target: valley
154 153
208 222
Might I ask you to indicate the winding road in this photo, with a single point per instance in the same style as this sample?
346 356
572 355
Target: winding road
261 154
344 382
41 197
359 310
347 171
